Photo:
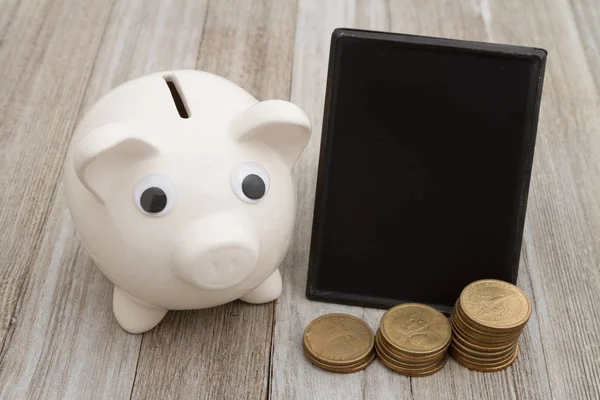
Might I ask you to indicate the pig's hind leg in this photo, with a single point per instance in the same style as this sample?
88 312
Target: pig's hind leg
134 315
267 291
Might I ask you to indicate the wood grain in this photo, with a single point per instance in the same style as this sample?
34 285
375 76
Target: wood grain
224 353
58 337
529 378
293 376
65 342
562 237
586 14
9 8
32 129
471 21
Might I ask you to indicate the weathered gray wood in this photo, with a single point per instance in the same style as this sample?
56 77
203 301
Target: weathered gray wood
224 353
64 342
587 20
38 47
562 237
471 21
529 377
33 130
9 8
293 376
58 337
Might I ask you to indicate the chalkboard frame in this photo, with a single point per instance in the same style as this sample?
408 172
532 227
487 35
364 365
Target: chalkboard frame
323 294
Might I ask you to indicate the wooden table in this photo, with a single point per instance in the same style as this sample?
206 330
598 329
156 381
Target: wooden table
58 336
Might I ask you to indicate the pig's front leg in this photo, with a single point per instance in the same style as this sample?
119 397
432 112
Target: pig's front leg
134 315
267 291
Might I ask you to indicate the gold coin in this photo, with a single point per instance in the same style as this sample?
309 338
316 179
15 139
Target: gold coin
346 369
477 357
478 342
358 362
478 346
494 305
406 372
474 335
404 357
486 340
408 367
481 363
483 357
484 368
415 329
403 363
459 319
338 339
410 360
411 368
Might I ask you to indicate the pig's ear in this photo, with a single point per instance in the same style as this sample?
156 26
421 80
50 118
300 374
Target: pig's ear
104 152
278 124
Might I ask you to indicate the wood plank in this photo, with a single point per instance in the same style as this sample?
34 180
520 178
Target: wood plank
45 40
471 22
26 23
65 342
59 337
9 8
587 20
293 376
224 352
529 377
562 237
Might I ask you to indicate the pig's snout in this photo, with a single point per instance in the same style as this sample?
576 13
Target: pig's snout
217 252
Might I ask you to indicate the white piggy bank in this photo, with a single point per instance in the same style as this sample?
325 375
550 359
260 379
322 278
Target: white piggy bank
179 184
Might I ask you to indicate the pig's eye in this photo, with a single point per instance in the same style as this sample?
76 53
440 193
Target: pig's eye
154 195
250 182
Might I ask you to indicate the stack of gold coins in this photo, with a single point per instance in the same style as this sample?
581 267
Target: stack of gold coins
487 320
339 343
412 339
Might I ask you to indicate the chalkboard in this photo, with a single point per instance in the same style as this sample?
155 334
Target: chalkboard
426 155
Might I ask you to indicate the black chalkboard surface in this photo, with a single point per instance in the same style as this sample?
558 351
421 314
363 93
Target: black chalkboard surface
424 170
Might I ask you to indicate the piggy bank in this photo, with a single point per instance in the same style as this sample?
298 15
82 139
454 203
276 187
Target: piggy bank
179 185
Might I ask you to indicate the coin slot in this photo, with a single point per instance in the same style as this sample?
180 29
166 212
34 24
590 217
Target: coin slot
179 101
